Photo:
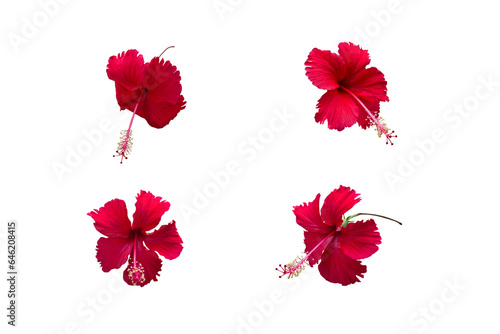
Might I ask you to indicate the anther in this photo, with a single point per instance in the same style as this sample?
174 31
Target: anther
124 145
135 273
292 269
382 129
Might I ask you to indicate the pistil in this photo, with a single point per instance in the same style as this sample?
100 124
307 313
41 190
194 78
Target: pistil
381 126
294 268
135 251
125 143
136 270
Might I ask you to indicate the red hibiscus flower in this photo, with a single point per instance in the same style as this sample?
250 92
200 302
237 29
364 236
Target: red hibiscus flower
150 90
334 241
354 92
132 241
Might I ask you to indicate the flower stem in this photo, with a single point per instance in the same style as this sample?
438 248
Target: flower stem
382 127
166 50
372 214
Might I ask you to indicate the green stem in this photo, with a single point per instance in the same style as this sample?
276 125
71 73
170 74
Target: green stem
166 50
372 214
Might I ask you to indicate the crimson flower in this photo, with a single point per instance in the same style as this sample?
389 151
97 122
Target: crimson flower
354 92
334 241
150 90
132 241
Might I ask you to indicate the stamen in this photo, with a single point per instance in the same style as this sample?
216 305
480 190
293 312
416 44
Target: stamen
125 143
292 269
135 248
135 273
379 122
135 269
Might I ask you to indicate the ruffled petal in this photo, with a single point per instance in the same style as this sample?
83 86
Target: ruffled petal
336 204
147 267
163 82
307 216
148 211
312 240
127 99
337 267
127 69
112 220
112 253
355 58
371 88
338 108
359 240
158 115
166 241
324 68
368 83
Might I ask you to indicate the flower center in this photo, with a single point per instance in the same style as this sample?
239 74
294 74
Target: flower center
125 143
382 128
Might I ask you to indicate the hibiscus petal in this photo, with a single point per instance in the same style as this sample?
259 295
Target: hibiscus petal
324 68
368 83
355 58
158 115
359 240
338 108
112 220
337 203
371 88
148 264
312 240
307 216
148 211
127 99
337 267
112 253
166 241
162 81
127 69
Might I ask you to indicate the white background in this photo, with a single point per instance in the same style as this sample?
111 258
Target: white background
236 69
